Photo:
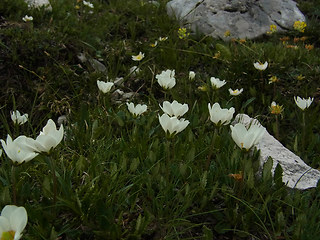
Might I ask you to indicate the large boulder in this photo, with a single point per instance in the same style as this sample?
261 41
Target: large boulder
243 18
296 173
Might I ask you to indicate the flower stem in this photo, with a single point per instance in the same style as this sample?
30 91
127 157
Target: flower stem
303 130
54 180
14 189
213 140
277 128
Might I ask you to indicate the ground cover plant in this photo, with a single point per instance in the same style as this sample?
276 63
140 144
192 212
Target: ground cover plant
171 167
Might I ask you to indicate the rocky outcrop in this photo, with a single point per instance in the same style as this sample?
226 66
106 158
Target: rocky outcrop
243 18
296 173
39 3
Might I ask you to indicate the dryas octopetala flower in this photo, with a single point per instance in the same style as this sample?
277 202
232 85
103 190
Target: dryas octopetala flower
136 110
13 220
88 4
275 108
134 70
20 150
138 57
303 103
246 138
166 79
220 116
173 125
174 109
162 39
104 87
17 118
27 18
192 75
48 138
235 92
216 83
261 66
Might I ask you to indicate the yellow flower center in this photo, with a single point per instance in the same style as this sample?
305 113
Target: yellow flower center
276 109
8 235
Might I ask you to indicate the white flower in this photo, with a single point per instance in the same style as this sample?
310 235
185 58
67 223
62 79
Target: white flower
154 44
172 125
138 57
192 75
48 138
17 118
303 103
217 83
27 18
166 79
88 4
220 116
104 87
235 92
174 109
161 39
244 138
13 220
137 110
261 66
20 150
134 71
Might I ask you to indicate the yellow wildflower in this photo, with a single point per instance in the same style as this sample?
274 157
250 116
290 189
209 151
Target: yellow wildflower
300 77
273 79
276 109
182 33
242 40
217 55
273 29
299 26
227 33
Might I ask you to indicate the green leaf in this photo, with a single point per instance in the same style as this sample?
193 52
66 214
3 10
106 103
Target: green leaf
207 233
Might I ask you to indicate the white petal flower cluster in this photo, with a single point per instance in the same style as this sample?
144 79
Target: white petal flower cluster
261 67
88 4
303 103
48 138
24 149
192 75
27 18
220 116
166 79
170 121
235 92
216 83
13 220
138 57
104 87
19 150
173 125
174 109
137 110
246 138
17 118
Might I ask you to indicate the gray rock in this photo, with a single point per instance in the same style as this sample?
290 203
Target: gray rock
243 18
39 3
296 173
